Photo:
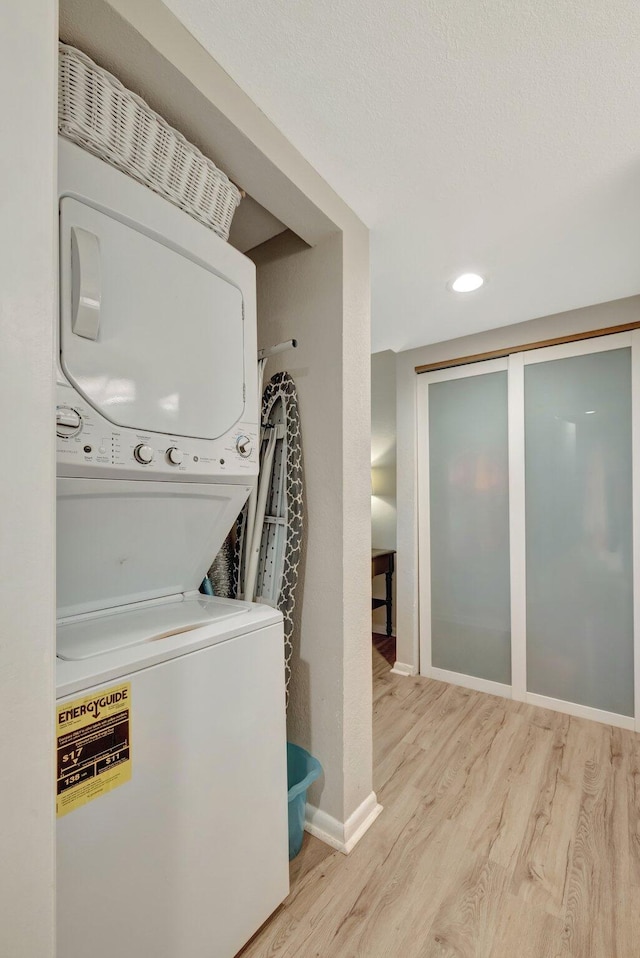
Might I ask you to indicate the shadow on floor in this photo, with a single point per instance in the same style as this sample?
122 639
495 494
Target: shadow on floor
386 646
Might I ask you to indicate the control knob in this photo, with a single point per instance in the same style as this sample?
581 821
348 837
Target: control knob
143 454
175 455
244 446
68 422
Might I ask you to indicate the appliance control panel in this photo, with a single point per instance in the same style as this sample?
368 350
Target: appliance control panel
89 445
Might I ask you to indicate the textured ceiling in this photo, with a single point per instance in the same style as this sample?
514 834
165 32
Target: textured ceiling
499 136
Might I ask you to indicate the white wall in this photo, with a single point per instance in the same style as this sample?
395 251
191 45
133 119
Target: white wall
27 221
563 324
383 468
383 449
301 295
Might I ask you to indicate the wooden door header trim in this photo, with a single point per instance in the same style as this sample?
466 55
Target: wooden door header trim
541 344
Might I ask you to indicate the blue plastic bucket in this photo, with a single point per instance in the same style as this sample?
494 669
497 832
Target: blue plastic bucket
302 770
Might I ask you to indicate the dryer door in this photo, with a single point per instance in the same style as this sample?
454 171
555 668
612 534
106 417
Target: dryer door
150 336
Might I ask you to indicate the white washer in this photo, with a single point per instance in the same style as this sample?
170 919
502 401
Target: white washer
188 858
172 796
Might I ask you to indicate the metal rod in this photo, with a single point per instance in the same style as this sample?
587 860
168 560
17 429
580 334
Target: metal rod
280 348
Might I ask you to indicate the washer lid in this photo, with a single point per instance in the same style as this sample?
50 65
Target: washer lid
122 541
151 336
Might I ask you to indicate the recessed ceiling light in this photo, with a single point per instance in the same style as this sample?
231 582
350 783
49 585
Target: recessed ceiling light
590 412
467 283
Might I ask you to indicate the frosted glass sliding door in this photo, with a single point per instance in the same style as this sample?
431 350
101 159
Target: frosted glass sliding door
578 494
465 467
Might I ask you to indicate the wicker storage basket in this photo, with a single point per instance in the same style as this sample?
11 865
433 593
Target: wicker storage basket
96 111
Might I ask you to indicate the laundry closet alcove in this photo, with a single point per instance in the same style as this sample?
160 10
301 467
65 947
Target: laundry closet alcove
312 259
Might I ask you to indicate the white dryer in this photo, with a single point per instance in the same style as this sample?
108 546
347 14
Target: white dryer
170 727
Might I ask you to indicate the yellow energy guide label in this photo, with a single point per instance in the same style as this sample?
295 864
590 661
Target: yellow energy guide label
93 739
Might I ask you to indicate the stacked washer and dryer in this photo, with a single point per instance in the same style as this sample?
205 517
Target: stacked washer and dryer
171 783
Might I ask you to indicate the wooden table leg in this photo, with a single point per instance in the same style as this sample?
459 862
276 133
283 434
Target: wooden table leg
389 583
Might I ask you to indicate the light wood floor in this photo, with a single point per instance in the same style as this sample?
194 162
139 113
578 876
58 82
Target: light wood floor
508 832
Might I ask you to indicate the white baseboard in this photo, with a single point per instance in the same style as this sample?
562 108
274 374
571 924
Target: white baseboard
342 836
403 668
468 682
531 698
581 711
